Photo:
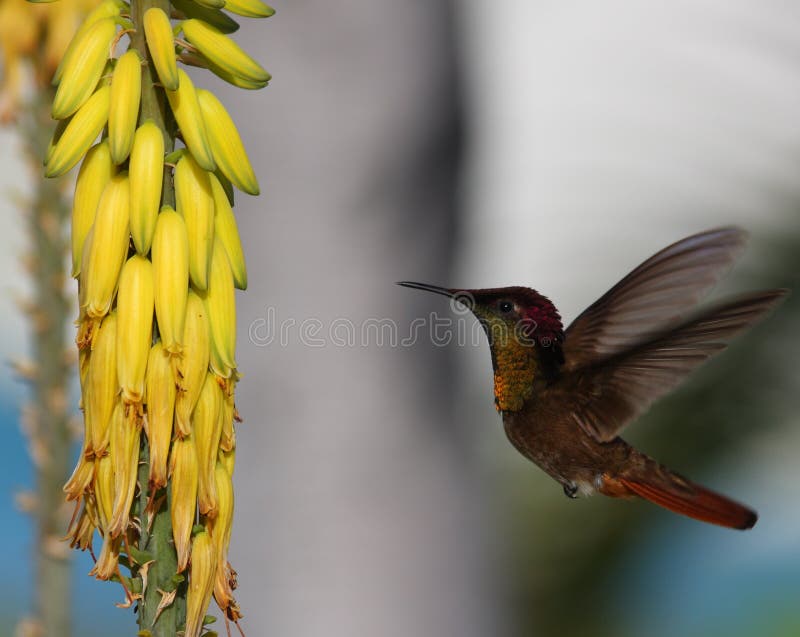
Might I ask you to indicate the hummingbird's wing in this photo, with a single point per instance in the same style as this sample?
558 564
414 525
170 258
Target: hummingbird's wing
656 294
606 396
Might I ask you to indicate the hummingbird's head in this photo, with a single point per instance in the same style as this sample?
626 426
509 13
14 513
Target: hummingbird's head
525 335
517 313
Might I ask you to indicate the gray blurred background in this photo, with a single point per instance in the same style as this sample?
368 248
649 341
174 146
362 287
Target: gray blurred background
548 144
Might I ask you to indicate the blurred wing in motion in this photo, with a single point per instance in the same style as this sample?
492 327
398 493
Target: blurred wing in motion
606 397
658 292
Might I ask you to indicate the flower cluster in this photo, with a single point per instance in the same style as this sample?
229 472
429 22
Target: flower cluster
157 255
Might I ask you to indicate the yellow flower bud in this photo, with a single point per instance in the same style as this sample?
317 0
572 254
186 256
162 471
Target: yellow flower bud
160 41
101 383
109 247
124 451
195 203
183 505
193 365
223 51
186 109
221 306
171 277
84 67
126 93
160 399
201 583
135 329
206 429
79 134
146 174
225 228
95 173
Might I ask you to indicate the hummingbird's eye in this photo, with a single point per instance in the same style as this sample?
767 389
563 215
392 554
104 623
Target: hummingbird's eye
506 307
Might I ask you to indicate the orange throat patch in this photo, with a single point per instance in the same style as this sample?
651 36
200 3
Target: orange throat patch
515 369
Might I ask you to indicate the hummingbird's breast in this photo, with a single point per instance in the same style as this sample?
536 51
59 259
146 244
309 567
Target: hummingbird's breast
545 433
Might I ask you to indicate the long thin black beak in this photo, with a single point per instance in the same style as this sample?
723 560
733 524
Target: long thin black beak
464 297
428 288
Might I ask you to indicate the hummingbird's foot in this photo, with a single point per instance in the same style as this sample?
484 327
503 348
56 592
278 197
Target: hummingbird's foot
571 490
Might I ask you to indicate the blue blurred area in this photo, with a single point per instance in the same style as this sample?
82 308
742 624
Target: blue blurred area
15 531
685 580
94 612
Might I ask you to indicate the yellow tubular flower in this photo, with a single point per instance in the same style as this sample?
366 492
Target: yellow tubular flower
95 173
171 276
221 524
61 126
222 51
106 9
83 69
146 172
135 330
186 109
104 491
228 460
126 92
101 382
227 440
108 561
228 233
201 583
226 144
220 529
161 44
183 504
207 427
195 202
109 246
249 8
235 80
124 445
221 307
79 134
192 366
160 392
81 531
80 479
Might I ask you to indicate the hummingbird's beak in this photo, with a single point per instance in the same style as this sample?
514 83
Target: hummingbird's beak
428 288
464 297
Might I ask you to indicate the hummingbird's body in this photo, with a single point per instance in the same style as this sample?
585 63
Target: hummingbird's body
564 396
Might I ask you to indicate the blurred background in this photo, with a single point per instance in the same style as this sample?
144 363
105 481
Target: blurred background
553 145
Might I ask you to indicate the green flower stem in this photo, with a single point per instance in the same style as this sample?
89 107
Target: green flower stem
155 540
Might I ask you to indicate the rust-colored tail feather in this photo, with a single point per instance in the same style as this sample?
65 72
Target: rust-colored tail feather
698 503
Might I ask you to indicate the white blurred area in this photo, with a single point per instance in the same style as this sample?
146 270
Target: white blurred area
14 185
602 131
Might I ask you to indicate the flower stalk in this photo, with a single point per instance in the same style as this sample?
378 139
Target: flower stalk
157 255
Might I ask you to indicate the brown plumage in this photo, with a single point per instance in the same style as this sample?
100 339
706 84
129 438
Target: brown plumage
566 395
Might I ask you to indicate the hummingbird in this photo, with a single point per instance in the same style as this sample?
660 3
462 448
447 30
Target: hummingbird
565 395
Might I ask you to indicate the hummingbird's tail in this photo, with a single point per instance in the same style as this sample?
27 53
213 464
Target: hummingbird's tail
674 492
